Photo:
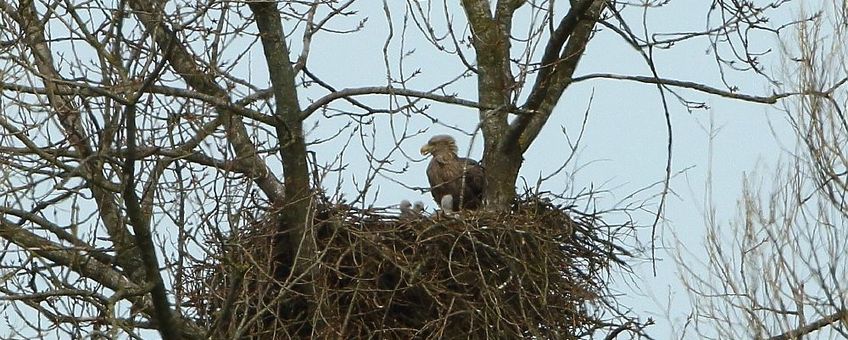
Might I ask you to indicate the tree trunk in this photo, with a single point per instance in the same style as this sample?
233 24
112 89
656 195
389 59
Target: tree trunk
494 85
505 143
502 166
293 240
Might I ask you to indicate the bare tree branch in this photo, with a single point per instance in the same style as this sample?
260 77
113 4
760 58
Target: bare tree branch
774 98
70 119
840 316
559 64
353 92
183 62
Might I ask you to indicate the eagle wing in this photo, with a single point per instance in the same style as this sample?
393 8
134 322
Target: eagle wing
475 183
439 186
447 179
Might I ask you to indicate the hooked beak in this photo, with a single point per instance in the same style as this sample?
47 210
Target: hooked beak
425 150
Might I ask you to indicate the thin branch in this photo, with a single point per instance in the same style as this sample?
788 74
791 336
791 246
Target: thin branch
799 332
140 222
86 90
352 92
689 85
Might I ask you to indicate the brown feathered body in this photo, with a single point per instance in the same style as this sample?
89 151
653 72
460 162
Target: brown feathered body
462 178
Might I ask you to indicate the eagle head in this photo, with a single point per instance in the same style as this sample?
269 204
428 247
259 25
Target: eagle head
439 145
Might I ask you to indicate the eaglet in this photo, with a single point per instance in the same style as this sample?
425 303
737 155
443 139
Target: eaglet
456 183
409 211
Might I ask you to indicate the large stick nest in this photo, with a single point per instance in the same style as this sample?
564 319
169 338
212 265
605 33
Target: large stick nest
540 271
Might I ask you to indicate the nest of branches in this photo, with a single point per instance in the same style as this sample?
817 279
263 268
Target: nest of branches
540 271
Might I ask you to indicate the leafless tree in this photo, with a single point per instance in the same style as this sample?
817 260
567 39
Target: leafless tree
778 270
134 131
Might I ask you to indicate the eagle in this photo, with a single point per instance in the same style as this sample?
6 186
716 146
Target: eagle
455 182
